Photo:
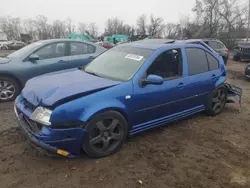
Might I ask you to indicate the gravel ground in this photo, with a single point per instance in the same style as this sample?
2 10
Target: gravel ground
201 151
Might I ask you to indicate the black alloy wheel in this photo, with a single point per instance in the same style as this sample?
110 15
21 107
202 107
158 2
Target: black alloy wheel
106 133
217 101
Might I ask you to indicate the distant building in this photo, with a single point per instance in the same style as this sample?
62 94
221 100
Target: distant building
3 36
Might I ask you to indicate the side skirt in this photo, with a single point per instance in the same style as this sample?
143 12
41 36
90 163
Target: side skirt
161 121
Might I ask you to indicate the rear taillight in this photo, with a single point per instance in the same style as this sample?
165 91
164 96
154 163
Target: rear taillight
226 49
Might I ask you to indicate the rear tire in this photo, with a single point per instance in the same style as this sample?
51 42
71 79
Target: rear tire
106 133
217 101
225 60
9 89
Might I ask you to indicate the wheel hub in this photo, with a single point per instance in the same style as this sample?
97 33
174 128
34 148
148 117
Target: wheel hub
7 90
106 134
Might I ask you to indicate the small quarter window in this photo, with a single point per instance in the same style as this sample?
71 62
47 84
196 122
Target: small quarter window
79 48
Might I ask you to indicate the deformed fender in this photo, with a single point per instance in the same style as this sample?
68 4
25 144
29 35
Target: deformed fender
104 106
220 81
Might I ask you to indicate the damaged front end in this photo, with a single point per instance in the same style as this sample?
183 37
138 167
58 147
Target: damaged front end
234 94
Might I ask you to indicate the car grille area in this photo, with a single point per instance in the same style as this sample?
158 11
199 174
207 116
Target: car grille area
28 123
23 110
28 105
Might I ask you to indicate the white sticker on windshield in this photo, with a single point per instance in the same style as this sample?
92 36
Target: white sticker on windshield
134 57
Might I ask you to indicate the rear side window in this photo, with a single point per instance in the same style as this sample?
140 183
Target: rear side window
78 48
212 61
213 45
197 61
221 46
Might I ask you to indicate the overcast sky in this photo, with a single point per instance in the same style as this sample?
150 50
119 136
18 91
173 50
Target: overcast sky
97 11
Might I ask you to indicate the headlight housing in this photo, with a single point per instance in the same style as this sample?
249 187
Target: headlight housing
41 115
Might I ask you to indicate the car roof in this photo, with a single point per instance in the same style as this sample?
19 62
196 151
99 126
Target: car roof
205 39
155 41
63 40
153 45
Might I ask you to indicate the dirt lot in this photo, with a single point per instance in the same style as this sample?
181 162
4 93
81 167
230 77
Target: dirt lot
209 152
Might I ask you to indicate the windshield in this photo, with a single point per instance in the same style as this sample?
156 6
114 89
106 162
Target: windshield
119 63
25 51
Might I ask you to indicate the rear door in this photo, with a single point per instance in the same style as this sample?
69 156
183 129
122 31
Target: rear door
80 54
200 79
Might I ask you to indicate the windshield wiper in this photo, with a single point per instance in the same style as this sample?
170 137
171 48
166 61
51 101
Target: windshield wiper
92 73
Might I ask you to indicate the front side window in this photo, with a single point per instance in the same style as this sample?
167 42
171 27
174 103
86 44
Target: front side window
167 65
197 61
53 50
79 48
119 63
212 61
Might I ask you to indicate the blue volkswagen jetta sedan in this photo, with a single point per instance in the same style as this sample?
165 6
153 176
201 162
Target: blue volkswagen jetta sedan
126 90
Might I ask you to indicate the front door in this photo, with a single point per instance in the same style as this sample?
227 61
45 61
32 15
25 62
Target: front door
159 101
52 57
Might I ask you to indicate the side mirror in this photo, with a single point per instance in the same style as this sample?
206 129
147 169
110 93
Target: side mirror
91 57
153 80
34 57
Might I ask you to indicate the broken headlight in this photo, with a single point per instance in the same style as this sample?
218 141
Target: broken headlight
41 115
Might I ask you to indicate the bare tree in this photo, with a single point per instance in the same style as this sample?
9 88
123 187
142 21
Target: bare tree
93 30
231 13
156 26
141 25
114 26
207 15
42 27
11 26
82 28
29 28
128 30
58 29
70 26
172 31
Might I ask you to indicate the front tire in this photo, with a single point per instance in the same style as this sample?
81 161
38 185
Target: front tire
217 101
9 89
106 133
225 60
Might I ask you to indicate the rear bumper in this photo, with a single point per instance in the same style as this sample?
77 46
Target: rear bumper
63 142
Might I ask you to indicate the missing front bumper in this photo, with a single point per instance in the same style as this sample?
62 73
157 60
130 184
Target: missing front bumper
234 94
40 145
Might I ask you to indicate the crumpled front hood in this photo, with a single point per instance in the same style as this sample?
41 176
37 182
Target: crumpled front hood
48 89
4 60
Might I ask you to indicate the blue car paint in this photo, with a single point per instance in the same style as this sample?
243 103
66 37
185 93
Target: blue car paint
147 107
74 82
50 139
